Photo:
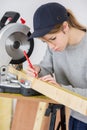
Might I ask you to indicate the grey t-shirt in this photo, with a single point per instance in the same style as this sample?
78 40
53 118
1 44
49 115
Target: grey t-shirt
70 69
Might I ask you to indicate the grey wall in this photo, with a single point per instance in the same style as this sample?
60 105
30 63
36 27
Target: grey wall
27 7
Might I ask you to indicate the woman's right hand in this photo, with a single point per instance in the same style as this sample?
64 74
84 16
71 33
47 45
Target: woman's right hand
33 71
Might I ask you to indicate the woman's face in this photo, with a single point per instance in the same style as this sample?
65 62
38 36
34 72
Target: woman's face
57 41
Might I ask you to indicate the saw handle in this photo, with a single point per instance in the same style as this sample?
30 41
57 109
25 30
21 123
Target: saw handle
12 16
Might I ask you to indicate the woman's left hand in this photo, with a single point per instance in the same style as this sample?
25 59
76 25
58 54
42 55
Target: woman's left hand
49 79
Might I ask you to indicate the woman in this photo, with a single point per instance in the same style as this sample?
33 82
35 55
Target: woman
66 55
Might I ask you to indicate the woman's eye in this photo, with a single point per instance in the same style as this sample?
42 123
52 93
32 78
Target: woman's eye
53 38
43 41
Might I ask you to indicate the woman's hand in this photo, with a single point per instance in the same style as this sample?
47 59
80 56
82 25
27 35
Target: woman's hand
33 72
49 79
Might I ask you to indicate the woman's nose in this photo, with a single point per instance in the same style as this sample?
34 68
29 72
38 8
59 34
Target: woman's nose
51 46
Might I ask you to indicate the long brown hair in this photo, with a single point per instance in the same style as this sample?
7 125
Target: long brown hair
72 22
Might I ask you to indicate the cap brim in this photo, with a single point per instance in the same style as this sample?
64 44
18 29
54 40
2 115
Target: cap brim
40 33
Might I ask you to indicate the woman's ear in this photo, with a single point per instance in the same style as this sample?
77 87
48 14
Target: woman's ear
65 27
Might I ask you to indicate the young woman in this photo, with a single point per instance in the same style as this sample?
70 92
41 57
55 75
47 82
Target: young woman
66 55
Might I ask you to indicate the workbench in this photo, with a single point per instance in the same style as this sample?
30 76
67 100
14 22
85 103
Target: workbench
30 113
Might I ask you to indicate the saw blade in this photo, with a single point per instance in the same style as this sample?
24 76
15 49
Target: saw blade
16 41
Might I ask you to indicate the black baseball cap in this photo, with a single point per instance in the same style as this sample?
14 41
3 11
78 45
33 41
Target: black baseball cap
46 17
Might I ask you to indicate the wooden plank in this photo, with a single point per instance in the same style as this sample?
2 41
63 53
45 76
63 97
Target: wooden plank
24 115
57 93
5 113
40 115
62 95
41 98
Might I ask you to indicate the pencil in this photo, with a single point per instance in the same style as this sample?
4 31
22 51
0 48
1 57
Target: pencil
29 62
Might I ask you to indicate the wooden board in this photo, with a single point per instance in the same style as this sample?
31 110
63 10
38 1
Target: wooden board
40 115
5 113
29 115
24 115
56 93
41 98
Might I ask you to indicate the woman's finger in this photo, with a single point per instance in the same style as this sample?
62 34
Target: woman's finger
47 78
